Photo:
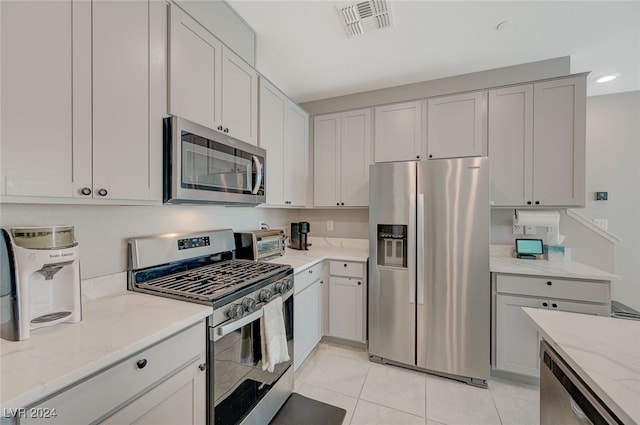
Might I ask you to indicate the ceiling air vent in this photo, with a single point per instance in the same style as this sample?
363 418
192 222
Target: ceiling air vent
365 16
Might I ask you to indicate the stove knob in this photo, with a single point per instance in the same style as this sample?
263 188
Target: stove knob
249 305
281 287
289 283
264 295
235 311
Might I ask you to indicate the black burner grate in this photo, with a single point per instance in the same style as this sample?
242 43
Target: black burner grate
212 281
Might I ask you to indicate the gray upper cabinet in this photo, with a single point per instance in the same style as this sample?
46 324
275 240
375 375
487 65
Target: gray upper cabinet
537 144
398 134
208 83
457 125
58 134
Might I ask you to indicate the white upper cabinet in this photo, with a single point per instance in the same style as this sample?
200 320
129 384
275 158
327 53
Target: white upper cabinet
399 132
457 125
284 134
85 127
342 155
37 94
195 71
537 143
209 84
559 125
239 98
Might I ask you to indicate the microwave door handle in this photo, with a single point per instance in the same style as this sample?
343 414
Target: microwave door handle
256 162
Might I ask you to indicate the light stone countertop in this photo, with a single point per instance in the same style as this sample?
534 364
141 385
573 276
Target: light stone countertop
325 249
561 269
112 328
603 351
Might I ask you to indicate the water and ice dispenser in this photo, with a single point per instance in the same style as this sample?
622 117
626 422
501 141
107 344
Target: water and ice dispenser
392 245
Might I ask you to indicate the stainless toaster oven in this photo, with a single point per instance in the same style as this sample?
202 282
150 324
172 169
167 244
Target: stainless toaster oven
259 245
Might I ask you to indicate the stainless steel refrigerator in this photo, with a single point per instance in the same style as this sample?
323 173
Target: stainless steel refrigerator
429 288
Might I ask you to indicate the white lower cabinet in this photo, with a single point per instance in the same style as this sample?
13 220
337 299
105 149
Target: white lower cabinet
307 312
515 340
347 294
163 384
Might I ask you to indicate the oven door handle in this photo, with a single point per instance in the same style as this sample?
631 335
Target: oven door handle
221 331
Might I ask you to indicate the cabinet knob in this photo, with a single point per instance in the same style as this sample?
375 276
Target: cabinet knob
549 283
226 130
345 264
545 304
310 271
220 128
554 305
85 191
528 202
321 282
537 202
417 156
341 203
102 192
202 366
359 283
430 156
338 203
141 363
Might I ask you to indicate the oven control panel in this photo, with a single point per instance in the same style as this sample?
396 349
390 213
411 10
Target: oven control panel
195 242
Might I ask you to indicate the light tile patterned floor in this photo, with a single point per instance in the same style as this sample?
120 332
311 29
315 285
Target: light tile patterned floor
375 394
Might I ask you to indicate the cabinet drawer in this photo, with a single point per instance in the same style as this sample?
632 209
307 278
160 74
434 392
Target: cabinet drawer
307 276
116 386
346 268
550 287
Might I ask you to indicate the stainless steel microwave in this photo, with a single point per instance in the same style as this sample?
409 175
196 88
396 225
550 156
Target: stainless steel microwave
202 165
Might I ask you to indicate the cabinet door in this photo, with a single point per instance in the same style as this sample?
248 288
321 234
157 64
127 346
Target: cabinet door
355 154
326 162
272 135
345 308
195 80
306 322
296 157
559 141
178 400
516 338
239 98
456 125
37 135
398 133
511 145
121 142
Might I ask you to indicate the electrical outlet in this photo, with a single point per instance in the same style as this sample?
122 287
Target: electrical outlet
330 225
517 230
602 223
529 230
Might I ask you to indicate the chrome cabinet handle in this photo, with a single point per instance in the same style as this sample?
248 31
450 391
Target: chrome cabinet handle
102 192
85 191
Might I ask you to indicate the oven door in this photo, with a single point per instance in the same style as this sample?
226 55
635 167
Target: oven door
204 165
238 383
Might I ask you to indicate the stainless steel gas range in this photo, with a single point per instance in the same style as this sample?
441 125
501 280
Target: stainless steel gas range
201 267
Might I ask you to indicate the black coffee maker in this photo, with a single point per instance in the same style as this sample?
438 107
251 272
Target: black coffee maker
299 233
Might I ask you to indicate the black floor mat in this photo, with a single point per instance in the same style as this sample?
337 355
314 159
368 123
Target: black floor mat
300 410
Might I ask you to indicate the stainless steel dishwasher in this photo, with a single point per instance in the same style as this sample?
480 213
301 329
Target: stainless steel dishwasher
564 397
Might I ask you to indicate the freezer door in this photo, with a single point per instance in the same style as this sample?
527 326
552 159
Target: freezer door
391 300
453 288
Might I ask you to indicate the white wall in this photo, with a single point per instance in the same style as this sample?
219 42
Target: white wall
347 223
613 157
102 230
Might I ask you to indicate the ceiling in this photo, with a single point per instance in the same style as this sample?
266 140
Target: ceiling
303 48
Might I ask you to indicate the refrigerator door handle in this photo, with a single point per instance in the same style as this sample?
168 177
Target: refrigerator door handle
412 243
420 255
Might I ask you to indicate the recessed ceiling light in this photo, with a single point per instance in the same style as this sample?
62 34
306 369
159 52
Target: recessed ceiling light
607 78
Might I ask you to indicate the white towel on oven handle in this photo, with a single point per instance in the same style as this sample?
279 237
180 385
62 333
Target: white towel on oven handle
273 335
